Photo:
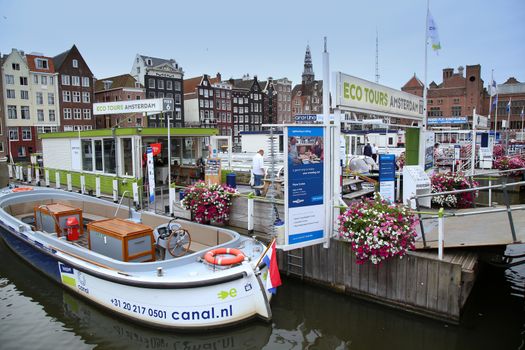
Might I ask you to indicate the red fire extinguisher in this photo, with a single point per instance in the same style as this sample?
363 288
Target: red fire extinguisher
72 228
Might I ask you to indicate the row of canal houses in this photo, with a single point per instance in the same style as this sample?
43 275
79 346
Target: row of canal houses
42 94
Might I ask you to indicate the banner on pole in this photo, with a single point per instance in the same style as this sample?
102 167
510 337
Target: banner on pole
304 176
151 174
387 176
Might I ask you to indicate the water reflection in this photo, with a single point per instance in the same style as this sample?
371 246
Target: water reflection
35 311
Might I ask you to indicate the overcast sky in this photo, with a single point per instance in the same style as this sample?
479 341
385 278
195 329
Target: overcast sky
268 38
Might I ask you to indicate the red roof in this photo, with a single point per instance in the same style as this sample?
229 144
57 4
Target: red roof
413 82
191 84
31 62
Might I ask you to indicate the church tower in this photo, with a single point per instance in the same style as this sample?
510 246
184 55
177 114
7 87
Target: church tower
308 73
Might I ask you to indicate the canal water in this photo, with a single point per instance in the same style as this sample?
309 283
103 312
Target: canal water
36 313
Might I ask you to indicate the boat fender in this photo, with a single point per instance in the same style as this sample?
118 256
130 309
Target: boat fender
211 256
22 189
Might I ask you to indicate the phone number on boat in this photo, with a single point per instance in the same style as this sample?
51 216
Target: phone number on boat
139 309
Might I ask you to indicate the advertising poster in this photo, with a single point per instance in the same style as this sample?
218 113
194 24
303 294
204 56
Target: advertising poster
151 174
429 150
304 202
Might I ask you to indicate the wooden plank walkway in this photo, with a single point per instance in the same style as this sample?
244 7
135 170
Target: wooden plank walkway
490 229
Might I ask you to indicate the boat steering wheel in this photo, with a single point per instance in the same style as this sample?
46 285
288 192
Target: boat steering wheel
179 239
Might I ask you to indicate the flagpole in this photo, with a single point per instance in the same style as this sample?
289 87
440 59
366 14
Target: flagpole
490 98
423 129
522 128
496 119
509 106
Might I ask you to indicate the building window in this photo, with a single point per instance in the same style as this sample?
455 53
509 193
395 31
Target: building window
50 98
76 114
88 127
66 96
65 80
109 156
456 111
151 83
39 98
127 156
51 81
67 113
15 66
22 151
52 116
26 134
24 95
40 115
68 127
10 93
2 147
86 97
13 134
43 80
11 112
35 79
87 155
98 155
85 81
177 98
160 84
86 114
76 96
151 94
24 112
23 80
177 86
75 80
169 85
41 63
75 63
9 79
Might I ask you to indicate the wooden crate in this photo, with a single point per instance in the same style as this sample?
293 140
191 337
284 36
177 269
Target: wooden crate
52 218
122 240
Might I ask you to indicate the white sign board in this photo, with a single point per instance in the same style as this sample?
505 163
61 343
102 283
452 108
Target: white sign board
155 105
151 174
364 96
76 163
481 121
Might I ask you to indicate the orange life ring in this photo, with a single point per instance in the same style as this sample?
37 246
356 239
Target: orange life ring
211 256
22 189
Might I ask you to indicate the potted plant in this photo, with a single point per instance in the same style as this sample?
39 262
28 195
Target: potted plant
208 203
378 230
444 182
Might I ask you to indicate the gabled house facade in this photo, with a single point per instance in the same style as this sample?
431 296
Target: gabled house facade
76 91
161 78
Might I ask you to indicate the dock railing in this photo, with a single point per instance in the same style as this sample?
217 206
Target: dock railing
441 214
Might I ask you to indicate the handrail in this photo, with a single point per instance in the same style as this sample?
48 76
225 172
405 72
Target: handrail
467 190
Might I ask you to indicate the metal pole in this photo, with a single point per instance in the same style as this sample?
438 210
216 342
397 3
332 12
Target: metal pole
473 152
169 151
490 192
441 233
418 208
509 211
423 127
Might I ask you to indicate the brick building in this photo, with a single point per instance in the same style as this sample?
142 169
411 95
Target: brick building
119 88
76 90
200 107
457 95
247 102
307 97
514 91
283 87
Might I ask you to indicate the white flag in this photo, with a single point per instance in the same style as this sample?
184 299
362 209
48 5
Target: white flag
493 89
432 32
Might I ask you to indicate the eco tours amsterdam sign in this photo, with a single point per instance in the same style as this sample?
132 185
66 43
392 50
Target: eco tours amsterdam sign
155 105
360 95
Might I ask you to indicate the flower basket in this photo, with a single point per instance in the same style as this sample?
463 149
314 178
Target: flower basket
378 230
444 182
509 163
208 203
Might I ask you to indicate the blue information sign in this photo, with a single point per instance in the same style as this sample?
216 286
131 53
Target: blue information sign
305 183
387 167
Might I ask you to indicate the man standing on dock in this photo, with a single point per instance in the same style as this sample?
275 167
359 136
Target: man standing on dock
258 170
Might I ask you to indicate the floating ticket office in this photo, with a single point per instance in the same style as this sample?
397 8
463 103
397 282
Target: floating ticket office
118 154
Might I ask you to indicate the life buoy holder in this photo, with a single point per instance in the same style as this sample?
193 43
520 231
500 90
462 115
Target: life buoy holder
22 189
211 256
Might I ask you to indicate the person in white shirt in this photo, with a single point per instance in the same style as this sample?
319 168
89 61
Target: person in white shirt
258 170
374 152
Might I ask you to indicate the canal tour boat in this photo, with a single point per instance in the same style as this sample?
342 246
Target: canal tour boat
163 272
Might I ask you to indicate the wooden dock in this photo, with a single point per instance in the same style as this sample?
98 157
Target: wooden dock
418 283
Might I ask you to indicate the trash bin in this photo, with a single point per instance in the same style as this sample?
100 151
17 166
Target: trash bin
231 180
181 195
